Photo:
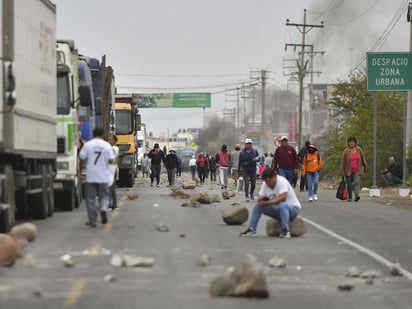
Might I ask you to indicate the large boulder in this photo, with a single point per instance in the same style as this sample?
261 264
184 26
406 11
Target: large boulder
228 194
189 184
203 198
296 227
9 250
244 280
26 231
235 215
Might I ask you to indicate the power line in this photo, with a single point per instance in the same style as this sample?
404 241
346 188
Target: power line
357 17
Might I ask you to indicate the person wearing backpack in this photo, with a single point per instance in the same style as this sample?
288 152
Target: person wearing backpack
247 165
212 168
311 164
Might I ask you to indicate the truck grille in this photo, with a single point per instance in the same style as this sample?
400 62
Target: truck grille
61 145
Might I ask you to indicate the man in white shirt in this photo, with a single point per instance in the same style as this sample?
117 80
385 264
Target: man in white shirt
192 165
99 155
278 200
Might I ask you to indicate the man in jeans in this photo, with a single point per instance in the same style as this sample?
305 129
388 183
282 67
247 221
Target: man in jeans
278 200
285 161
99 155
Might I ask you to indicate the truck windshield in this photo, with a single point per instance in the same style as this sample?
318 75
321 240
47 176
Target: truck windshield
63 94
123 122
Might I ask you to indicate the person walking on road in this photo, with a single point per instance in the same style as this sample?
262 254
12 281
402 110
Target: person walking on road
276 199
100 156
234 163
247 165
192 166
145 165
301 154
202 164
157 157
114 169
223 160
171 163
212 168
311 165
285 161
353 166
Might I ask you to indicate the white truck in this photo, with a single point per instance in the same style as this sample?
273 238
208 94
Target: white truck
27 110
67 184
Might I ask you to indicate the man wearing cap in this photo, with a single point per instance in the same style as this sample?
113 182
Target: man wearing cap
247 165
285 161
192 166
157 157
223 159
171 163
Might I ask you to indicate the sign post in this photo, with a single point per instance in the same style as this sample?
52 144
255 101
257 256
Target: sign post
389 72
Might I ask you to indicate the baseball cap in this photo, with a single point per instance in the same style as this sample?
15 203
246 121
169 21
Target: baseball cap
284 137
312 146
248 141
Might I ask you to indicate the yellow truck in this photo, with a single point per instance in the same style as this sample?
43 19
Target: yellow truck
128 122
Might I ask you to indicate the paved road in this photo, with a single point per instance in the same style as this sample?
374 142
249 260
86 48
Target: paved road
316 263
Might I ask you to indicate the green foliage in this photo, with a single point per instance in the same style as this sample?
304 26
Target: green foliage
353 114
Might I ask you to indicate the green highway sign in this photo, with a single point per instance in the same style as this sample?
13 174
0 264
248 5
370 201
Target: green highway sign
169 100
389 71
255 139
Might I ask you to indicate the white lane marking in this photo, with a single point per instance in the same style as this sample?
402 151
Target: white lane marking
372 254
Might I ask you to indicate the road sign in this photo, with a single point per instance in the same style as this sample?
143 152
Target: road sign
193 145
389 71
255 139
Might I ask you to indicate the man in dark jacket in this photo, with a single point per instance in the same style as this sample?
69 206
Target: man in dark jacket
285 161
171 163
393 173
157 157
301 155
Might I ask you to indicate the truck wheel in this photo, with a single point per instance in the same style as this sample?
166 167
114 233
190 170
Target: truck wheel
40 201
68 200
7 218
22 204
50 189
79 194
129 181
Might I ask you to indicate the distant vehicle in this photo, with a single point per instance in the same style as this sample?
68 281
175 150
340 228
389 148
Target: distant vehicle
185 155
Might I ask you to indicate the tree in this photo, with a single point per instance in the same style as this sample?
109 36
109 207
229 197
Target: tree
352 107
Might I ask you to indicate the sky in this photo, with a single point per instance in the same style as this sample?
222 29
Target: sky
209 46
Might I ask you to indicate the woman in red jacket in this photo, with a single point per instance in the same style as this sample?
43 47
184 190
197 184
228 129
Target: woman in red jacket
353 165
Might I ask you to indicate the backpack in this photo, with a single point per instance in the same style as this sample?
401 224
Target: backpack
305 157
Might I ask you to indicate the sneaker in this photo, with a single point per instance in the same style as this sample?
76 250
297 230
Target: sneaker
315 197
310 199
285 234
357 198
248 232
103 216
247 199
252 197
89 224
157 186
151 185
349 200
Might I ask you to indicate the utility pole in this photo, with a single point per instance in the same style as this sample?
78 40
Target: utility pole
409 105
303 28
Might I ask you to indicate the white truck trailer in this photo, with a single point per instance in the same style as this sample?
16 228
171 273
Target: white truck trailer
27 110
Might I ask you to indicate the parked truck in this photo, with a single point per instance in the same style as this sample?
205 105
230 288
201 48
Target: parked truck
127 124
27 110
70 97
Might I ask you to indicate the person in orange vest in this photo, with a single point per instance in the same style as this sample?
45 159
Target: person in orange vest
312 163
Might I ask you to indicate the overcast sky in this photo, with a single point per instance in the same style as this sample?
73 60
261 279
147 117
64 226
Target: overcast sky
207 46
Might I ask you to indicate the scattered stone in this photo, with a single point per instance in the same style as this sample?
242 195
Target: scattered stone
244 280
202 198
137 261
182 235
369 281
214 198
345 286
189 184
21 246
277 261
109 278
396 269
161 227
353 272
131 196
179 193
234 203
26 231
130 227
28 261
67 260
296 227
155 205
116 261
298 268
204 260
9 250
38 293
235 215
192 204
225 195
130 261
386 280
371 273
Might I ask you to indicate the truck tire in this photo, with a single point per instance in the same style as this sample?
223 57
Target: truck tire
40 201
7 218
68 200
22 204
79 193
